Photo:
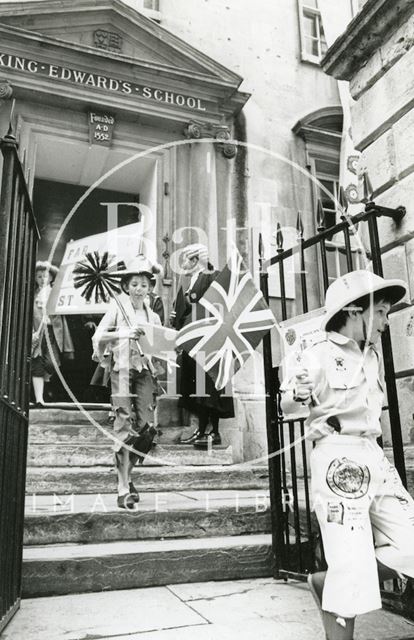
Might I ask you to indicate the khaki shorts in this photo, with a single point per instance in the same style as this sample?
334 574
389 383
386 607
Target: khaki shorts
364 514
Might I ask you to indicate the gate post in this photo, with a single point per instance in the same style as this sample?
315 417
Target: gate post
392 394
273 440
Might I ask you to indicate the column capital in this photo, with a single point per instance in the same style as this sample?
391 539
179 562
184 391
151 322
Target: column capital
6 90
195 130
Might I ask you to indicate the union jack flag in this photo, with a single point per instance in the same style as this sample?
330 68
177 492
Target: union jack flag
236 319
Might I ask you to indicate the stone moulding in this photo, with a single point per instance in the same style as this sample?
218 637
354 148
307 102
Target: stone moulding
371 27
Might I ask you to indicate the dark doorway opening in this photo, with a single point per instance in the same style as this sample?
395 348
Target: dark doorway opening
52 202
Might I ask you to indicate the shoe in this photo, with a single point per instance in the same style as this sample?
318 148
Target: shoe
203 441
133 492
126 502
191 439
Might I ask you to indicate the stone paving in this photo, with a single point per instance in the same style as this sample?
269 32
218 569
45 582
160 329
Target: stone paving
256 609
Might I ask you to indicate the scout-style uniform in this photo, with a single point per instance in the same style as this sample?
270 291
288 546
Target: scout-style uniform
363 510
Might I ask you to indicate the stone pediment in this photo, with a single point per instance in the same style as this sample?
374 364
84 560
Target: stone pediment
110 25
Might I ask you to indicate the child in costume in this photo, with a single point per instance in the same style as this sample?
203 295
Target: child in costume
116 345
365 514
55 327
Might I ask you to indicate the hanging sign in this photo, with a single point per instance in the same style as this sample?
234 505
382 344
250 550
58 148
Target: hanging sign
101 127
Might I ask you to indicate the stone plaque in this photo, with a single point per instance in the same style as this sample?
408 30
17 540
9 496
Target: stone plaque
101 127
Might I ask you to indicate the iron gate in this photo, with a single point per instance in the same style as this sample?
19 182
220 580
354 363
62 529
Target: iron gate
18 241
295 534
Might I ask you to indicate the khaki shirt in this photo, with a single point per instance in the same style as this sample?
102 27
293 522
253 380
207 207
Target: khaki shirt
122 352
348 385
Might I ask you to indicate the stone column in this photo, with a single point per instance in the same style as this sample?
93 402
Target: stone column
6 93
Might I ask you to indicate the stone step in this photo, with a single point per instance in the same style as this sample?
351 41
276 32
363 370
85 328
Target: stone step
66 414
63 569
68 480
49 432
91 454
194 514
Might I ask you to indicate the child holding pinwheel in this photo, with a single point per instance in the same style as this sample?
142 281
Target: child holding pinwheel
116 344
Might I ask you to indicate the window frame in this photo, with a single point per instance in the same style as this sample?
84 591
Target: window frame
305 10
153 14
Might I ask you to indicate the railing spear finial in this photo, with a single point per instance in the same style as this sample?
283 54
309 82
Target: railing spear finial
367 188
261 252
299 227
343 200
320 216
279 238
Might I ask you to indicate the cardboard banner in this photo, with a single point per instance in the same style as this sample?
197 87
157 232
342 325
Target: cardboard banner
296 335
123 243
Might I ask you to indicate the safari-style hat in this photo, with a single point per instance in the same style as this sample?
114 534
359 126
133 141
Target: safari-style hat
196 250
354 285
139 266
44 265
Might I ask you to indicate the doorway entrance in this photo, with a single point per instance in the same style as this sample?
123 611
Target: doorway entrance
64 171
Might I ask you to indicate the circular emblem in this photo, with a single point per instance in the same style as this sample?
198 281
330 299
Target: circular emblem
290 336
352 194
347 478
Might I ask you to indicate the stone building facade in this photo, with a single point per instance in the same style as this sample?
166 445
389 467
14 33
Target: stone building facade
376 55
162 73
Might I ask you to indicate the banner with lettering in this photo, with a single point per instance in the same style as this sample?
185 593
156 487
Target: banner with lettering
123 243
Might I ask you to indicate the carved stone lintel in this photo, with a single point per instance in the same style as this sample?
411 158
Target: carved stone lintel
6 90
220 132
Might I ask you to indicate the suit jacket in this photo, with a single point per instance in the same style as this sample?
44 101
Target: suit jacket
184 301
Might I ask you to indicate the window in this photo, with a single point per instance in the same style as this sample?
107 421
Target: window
327 173
322 133
150 8
313 41
154 5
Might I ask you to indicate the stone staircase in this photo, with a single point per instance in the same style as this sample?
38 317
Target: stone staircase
200 517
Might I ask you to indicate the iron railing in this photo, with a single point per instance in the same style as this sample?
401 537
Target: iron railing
295 533
18 241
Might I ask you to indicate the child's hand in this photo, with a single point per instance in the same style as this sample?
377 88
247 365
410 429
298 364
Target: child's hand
304 386
136 333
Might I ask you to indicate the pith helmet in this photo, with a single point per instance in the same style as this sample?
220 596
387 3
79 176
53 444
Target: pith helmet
354 285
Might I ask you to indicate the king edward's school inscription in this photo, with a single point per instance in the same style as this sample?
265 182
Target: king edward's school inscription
106 83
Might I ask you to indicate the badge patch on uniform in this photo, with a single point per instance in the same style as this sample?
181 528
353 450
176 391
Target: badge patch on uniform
335 512
347 478
340 364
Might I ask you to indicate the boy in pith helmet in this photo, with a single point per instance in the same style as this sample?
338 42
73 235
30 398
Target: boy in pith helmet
365 515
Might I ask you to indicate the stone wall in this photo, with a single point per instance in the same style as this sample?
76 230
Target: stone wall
376 56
